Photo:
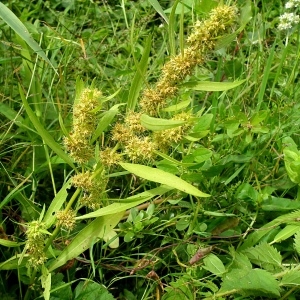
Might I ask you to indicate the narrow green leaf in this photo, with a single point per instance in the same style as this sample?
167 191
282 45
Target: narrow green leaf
286 232
128 203
176 107
7 243
84 239
105 121
171 31
213 264
139 76
157 124
13 262
159 9
12 21
163 177
56 204
45 135
210 86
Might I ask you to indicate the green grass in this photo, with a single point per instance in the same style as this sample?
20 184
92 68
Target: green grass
153 232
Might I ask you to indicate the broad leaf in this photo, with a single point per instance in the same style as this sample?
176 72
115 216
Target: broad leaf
254 282
291 278
265 255
214 265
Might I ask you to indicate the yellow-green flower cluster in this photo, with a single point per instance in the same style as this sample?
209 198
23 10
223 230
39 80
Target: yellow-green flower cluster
167 137
93 188
84 124
202 40
66 219
35 243
132 136
109 157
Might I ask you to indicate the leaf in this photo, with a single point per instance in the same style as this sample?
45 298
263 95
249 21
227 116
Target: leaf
286 232
292 277
105 122
128 203
163 177
255 237
253 282
203 123
12 21
157 124
45 135
178 290
139 76
297 243
213 264
46 282
201 155
89 290
210 86
159 10
179 106
279 204
56 204
265 256
97 229
182 224
7 243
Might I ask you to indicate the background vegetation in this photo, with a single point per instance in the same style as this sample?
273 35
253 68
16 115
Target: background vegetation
166 239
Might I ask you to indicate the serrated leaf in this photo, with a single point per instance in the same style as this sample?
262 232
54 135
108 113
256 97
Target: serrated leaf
297 243
156 124
291 278
240 261
264 255
286 232
163 177
213 264
254 282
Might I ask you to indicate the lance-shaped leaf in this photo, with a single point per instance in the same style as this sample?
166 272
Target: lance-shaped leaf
163 177
97 229
210 86
12 21
157 124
